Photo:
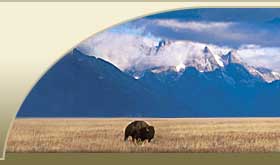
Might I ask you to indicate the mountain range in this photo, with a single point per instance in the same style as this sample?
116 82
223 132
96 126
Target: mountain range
204 60
205 86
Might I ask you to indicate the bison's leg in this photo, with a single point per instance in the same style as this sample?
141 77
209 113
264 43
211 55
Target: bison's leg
125 137
133 139
149 140
136 140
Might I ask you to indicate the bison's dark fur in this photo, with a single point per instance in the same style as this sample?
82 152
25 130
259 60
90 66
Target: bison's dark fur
147 133
139 130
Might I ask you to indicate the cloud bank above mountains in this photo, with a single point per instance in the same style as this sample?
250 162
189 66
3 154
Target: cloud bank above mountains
135 44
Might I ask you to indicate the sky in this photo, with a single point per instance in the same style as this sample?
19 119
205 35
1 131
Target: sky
252 33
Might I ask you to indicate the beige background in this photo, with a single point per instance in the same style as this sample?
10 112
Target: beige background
33 36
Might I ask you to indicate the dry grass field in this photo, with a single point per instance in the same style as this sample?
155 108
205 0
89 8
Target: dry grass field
172 135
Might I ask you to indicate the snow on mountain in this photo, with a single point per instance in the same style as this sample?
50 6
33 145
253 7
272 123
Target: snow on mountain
267 74
232 57
137 54
208 61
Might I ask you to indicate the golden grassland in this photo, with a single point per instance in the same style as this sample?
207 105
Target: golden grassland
172 135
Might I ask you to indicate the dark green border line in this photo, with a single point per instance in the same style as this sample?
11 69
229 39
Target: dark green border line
143 158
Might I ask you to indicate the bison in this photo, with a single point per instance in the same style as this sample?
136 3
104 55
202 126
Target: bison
139 130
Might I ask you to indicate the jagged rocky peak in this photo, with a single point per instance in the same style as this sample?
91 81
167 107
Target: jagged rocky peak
211 61
231 57
161 44
206 50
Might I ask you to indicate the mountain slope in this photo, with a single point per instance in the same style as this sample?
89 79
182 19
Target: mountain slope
80 85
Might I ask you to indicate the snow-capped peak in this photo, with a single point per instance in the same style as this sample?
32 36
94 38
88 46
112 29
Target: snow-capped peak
211 60
217 58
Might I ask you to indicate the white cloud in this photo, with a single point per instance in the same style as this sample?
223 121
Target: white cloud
123 50
213 31
194 25
256 55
